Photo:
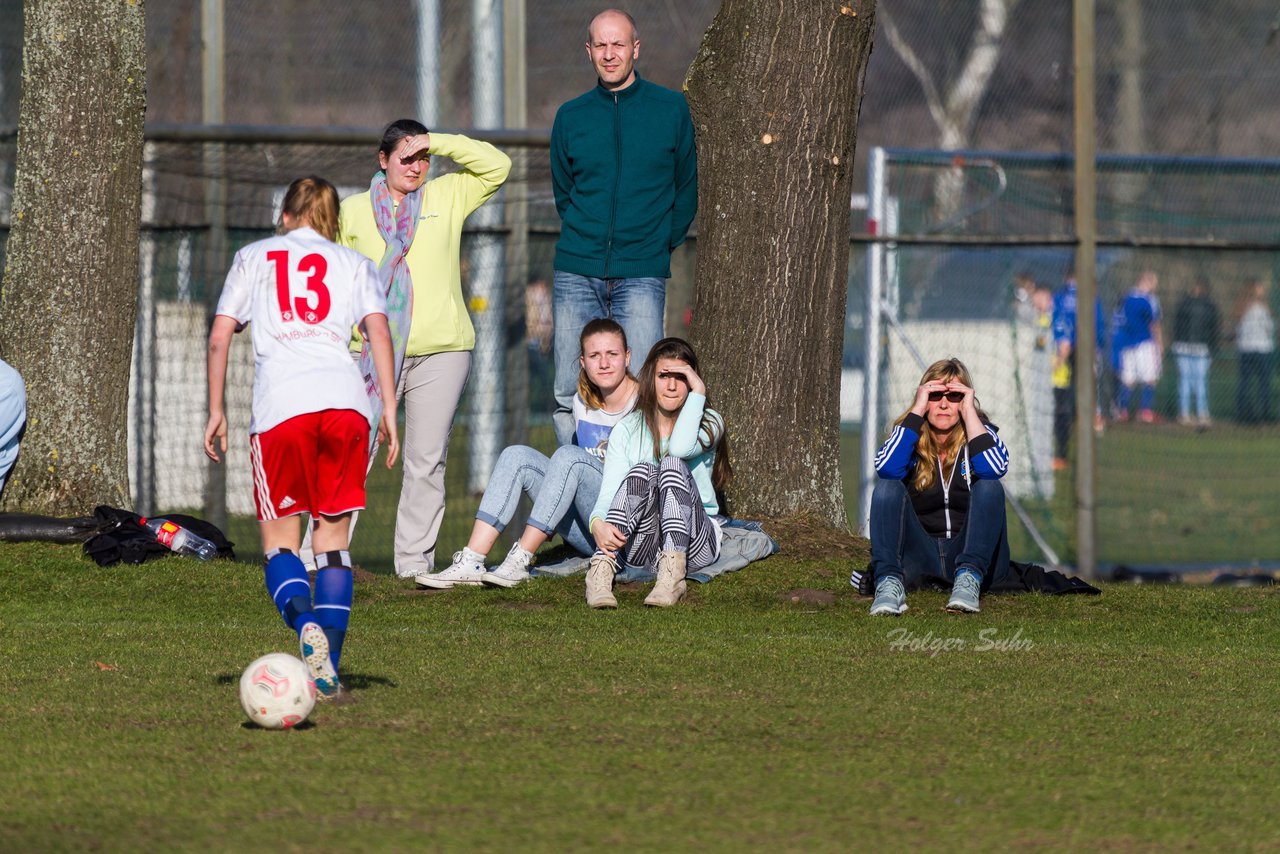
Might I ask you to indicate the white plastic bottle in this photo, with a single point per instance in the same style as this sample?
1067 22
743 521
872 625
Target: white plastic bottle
180 539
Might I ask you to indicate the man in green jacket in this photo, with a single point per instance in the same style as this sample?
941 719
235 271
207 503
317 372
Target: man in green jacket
625 178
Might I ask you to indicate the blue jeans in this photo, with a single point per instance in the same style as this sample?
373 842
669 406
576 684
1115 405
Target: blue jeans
563 487
13 418
1193 381
638 305
901 547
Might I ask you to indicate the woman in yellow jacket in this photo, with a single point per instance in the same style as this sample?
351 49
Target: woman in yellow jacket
412 228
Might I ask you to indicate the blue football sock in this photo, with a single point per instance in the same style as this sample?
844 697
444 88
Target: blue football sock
1122 398
1148 397
288 587
333 598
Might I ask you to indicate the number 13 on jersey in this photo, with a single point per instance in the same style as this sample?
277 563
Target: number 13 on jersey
311 308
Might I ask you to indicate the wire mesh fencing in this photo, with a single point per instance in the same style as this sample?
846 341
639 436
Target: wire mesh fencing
979 253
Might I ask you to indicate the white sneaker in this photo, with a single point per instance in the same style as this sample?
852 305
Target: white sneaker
467 568
965 592
513 570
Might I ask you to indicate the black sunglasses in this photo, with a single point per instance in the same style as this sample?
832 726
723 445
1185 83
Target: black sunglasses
953 396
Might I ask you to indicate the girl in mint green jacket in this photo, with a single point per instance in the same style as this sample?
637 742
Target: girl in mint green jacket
658 493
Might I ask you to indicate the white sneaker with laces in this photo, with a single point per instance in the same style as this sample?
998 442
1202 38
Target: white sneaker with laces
467 568
513 570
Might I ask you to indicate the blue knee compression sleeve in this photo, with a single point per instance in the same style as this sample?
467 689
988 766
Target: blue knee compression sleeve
288 587
333 598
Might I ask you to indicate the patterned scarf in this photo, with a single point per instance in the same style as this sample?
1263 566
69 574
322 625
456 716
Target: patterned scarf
397 227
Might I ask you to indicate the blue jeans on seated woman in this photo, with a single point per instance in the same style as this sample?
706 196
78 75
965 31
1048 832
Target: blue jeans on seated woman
563 487
900 545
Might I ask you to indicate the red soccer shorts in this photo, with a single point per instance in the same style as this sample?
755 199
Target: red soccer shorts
313 463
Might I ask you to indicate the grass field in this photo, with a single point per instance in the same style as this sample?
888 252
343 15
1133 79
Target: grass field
1166 496
767 713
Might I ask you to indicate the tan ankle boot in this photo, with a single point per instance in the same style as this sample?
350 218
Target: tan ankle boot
670 586
600 581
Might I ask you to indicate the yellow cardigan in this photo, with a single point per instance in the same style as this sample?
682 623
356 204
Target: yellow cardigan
440 322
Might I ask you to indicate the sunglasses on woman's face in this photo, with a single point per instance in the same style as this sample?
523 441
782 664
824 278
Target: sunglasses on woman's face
953 396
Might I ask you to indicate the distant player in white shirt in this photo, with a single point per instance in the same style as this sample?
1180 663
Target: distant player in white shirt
309 435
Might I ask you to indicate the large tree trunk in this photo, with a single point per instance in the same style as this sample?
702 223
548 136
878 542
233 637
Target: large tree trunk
774 93
68 299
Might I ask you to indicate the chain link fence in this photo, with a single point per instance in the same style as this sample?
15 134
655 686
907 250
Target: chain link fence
977 244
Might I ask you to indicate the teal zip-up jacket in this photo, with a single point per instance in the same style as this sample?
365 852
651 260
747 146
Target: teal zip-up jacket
625 176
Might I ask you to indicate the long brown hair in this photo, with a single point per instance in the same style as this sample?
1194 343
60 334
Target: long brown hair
928 448
647 406
312 201
587 390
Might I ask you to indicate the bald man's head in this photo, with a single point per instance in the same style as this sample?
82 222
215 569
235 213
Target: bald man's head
613 46
613 13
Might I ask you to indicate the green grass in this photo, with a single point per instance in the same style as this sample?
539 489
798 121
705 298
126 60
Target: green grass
766 713
1171 496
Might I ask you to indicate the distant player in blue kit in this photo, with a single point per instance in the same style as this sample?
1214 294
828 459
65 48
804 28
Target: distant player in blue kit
309 435
1064 374
1139 348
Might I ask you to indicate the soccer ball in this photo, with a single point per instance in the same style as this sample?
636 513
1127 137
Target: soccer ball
277 691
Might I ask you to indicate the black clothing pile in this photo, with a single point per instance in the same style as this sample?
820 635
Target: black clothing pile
123 539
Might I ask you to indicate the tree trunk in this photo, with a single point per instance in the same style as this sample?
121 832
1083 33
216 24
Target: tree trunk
774 92
68 300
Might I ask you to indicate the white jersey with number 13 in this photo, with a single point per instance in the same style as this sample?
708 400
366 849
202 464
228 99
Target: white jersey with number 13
302 294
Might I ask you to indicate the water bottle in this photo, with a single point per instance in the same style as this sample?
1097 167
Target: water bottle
179 539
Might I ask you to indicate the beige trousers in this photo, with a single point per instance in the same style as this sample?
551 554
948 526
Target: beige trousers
429 391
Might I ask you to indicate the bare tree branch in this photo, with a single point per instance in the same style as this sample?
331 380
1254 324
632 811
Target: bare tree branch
956 114
914 63
966 91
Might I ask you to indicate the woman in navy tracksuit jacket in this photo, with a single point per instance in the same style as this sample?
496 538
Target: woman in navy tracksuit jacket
937 512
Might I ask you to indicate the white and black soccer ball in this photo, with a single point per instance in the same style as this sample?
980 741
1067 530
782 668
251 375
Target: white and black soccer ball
277 691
